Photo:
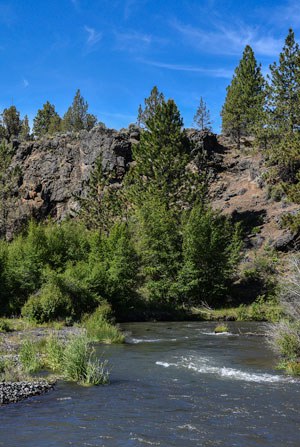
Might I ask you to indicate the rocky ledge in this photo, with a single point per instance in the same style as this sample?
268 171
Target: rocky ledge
12 392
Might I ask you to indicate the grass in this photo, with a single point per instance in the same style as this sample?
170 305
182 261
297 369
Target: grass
29 357
221 328
81 365
258 311
99 329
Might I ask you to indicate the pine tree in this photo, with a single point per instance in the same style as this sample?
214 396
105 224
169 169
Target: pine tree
283 100
161 158
202 117
44 118
243 108
77 117
150 105
283 115
101 207
25 129
11 122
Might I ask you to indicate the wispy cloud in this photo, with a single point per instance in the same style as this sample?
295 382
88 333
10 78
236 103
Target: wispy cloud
25 83
133 41
287 15
214 72
223 39
93 36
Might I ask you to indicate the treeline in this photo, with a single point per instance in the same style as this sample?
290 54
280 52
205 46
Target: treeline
47 121
151 245
269 110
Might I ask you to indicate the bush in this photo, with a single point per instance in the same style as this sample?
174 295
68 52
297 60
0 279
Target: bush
63 296
4 326
99 329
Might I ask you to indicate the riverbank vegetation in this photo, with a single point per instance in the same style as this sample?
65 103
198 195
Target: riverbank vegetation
72 359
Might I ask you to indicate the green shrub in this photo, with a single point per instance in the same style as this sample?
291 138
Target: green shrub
48 305
99 329
4 326
221 328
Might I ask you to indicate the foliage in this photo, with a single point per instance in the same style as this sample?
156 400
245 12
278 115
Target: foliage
11 122
47 120
81 365
25 129
151 103
153 173
77 117
221 328
211 247
101 205
4 326
54 353
99 328
159 248
29 357
202 118
284 337
243 108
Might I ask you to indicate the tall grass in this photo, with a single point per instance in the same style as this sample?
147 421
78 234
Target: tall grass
29 357
99 329
81 365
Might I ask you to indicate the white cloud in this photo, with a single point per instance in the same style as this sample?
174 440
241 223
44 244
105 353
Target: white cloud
223 39
25 83
214 72
93 36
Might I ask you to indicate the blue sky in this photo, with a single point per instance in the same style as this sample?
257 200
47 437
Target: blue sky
115 51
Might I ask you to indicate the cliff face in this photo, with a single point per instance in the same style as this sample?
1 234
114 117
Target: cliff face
53 171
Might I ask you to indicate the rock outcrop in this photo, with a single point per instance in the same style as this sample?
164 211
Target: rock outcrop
53 171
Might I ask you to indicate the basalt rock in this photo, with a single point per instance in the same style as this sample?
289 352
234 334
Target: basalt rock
53 171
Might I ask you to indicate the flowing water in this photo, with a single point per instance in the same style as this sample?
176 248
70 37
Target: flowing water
172 384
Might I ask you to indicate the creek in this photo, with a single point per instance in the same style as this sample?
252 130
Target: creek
172 384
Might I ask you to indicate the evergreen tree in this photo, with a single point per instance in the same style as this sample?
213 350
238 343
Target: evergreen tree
283 100
161 159
150 105
202 117
44 118
243 108
101 206
77 117
11 122
283 112
25 129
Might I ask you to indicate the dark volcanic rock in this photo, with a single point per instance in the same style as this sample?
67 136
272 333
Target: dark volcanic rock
11 392
54 170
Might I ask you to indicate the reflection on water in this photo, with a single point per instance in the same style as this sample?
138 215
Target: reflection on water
172 384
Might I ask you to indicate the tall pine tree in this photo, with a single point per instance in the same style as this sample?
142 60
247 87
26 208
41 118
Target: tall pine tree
243 107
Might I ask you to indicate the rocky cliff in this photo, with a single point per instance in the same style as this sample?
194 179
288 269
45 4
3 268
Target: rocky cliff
53 171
